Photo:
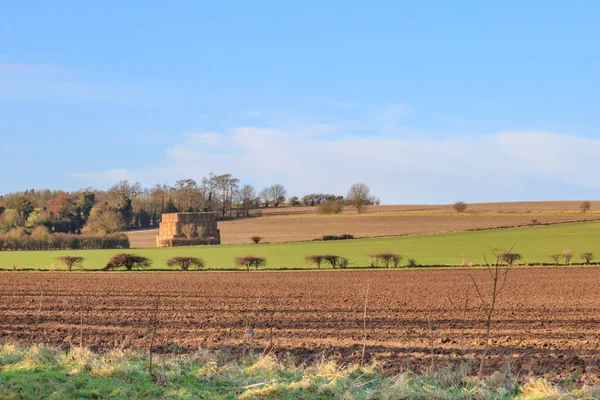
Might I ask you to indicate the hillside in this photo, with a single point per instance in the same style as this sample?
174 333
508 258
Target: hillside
292 224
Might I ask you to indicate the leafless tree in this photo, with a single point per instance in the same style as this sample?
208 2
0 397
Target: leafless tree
567 255
460 206
587 257
509 257
359 196
556 258
265 196
277 193
498 275
585 206
226 186
247 196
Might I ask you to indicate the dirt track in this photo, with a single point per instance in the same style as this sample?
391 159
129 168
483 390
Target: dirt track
547 320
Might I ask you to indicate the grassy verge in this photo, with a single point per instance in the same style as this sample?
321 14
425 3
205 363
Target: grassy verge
535 243
44 372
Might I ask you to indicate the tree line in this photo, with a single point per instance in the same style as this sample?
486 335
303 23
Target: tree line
128 205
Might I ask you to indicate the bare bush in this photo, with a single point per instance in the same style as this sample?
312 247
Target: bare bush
343 262
498 275
71 261
412 263
460 206
359 196
333 260
587 257
556 258
330 207
315 259
385 258
251 261
256 239
129 261
186 262
567 255
509 257
585 206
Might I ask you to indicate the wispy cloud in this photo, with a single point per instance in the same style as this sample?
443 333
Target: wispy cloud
422 170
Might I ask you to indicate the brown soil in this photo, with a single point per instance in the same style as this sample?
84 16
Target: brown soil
546 322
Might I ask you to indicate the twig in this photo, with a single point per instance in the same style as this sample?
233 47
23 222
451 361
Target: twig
430 342
362 358
80 327
154 322
462 333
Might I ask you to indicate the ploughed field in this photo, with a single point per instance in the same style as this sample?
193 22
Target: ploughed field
547 320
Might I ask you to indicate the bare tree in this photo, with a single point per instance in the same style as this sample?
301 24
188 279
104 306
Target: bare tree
556 258
247 197
460 206
587 257
186 193
509 257
265 196
277 194
226 186
498 276
359 196
567 255
585 206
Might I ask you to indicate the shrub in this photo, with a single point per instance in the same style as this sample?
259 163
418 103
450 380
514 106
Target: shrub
315 259
256 239
460 206
587 257
71 261
251 261
344 236
179 242
40 239
556 258
186 262
343 262
509 258
129 261
585 206
412 263
534 222
333 260
385 258
330 207
567 255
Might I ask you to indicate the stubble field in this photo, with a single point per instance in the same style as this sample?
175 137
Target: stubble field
546 321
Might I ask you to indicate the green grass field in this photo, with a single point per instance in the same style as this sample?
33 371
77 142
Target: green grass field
534 243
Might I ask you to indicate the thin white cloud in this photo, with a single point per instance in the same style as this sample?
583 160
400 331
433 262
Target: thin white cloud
399 170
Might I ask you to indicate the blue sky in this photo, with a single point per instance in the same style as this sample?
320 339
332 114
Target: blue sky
426 102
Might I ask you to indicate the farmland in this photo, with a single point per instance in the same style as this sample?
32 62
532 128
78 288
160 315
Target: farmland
535 243
291 224
546 321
